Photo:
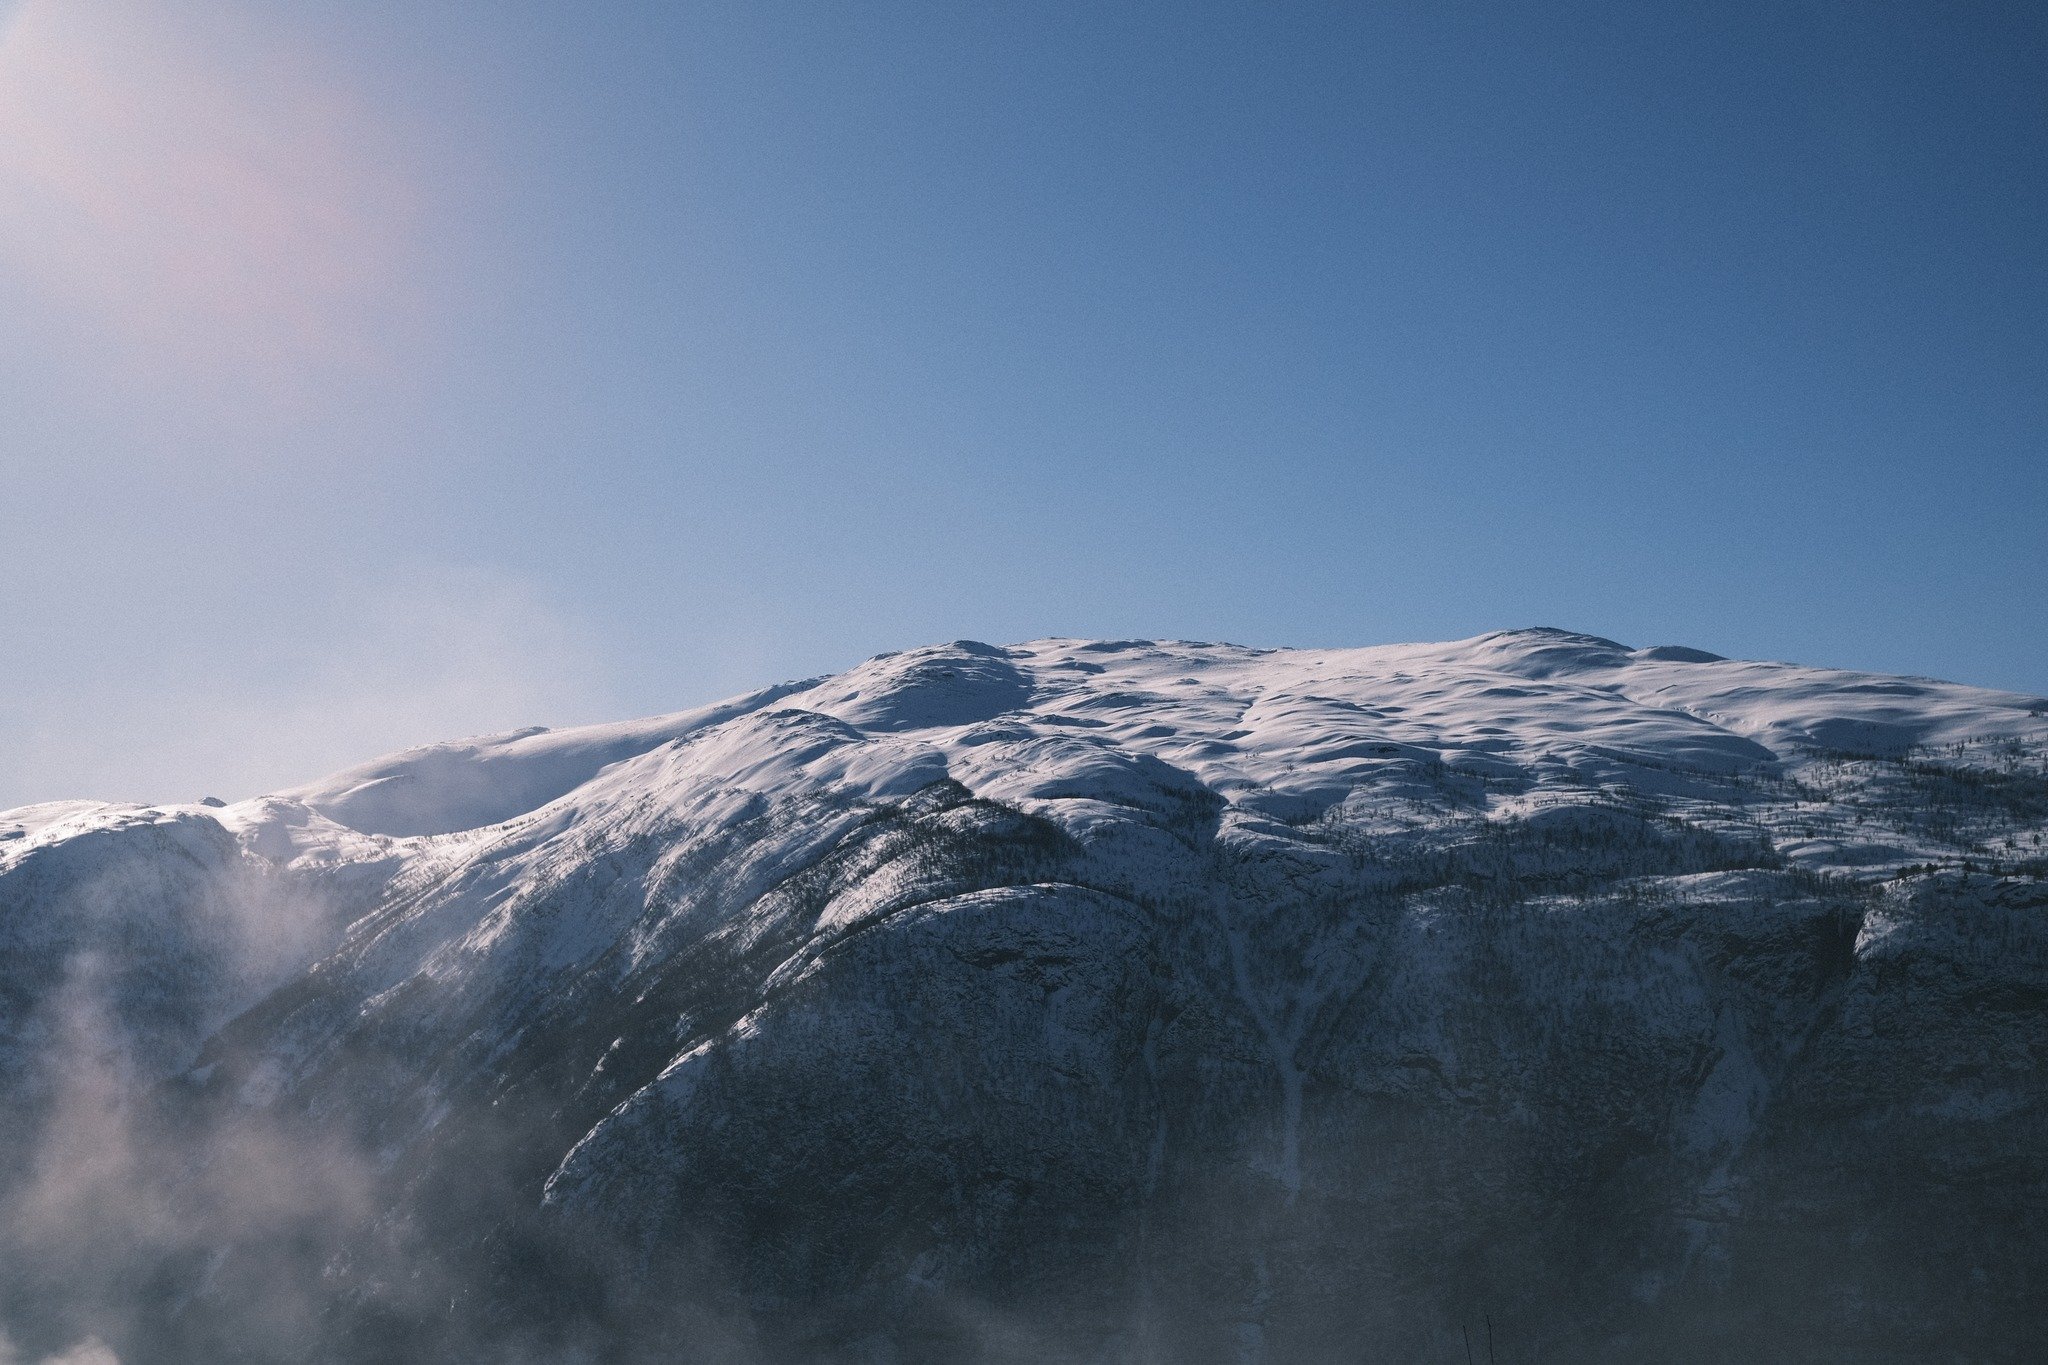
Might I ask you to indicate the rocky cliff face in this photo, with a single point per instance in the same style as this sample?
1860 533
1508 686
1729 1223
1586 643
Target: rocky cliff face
1076 1000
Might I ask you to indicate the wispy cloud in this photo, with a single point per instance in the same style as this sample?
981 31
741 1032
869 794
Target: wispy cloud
196 190
446 653
91 1351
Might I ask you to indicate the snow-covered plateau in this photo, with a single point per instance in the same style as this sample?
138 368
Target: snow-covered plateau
1076 1000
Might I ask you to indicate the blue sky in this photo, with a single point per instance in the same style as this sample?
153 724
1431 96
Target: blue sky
376 373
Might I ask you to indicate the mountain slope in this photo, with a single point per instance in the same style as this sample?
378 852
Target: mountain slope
1094 1000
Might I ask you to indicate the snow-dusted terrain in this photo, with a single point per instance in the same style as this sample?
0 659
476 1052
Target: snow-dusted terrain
1119 1000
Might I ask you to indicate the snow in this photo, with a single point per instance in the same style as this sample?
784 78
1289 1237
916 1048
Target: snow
445 788
1289 731
1301 850
1546 729
1566 741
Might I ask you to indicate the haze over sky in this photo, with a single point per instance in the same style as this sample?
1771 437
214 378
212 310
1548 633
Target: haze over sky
375 373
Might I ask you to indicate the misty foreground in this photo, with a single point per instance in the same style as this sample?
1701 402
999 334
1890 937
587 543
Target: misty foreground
1094 1001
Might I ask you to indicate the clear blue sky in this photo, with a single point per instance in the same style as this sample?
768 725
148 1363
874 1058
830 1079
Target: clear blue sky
376 372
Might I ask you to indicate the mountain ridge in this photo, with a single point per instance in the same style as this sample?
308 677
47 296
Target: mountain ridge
1070 999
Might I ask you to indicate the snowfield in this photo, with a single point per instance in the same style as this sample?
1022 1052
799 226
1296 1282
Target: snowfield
1093 1000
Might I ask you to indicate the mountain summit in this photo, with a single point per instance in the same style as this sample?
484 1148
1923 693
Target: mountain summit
1090 1000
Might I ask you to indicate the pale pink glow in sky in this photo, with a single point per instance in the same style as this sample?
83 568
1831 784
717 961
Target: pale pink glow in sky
198 191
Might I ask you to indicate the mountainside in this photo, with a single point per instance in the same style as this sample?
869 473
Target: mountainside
1083 1000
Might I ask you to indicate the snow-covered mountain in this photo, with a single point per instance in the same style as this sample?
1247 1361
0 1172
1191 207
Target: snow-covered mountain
1097 1000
